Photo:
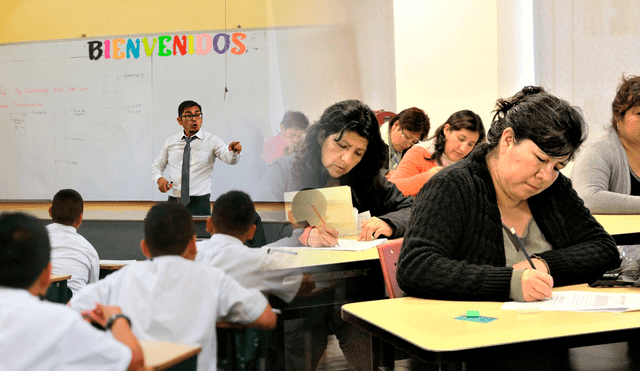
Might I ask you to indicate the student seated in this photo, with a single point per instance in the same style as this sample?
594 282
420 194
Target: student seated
404 130
39 335
232 223
606 174
292 129
70 252
458 245
172 298
451 142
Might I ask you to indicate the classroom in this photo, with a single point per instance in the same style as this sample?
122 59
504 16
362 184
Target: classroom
113 73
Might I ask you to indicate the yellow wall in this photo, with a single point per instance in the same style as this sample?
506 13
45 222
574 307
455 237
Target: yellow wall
35 20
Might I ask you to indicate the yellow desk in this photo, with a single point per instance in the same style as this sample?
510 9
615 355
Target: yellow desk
58 291
428 330
625 229
163 355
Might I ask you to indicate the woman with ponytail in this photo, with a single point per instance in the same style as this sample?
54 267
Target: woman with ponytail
458 245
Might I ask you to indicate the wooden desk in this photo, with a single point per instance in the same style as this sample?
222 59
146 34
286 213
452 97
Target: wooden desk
162 355
109 266
625 229
428 330
58 291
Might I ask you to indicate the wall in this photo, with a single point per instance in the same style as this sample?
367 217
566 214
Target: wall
446 57
367 70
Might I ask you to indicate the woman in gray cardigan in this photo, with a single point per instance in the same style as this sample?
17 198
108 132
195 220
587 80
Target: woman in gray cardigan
606 174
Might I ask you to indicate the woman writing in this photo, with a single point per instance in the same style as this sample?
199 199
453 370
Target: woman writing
343 148
451 142
606 175
456 246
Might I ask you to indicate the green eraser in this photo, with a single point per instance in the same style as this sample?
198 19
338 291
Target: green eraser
473 314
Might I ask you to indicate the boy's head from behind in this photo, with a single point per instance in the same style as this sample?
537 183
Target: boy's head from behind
24 250
67 207
234 215
168 230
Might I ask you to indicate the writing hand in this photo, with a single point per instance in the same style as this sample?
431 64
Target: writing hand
539 264
536 285
164 185
323 235
235 147
373 228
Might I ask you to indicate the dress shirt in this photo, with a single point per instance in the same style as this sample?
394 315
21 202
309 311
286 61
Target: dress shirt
73 254
39 335
252 268
204 151
170 298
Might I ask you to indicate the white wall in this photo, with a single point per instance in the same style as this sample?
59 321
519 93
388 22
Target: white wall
446 57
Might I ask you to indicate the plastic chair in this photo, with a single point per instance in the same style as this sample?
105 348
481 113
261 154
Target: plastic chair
389 253
384 116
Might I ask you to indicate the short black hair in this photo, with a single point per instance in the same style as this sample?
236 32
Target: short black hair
186 104
168 228
66 207
294 119
233 213
24 250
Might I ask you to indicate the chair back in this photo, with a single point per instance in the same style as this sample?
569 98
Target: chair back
384 116
389 253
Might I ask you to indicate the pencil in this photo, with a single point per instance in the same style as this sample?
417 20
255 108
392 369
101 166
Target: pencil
317 213
516 241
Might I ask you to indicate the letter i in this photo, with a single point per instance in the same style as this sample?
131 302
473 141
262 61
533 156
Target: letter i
107 49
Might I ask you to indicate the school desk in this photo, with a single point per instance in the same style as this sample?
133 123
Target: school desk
625 229
429 330
164 355
58 291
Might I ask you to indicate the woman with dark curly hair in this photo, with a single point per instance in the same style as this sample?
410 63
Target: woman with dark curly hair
458 245
607 173
451 142
343 148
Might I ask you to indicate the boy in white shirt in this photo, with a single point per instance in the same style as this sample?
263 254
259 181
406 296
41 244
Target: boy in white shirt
39 335
172 298
232 223
70 252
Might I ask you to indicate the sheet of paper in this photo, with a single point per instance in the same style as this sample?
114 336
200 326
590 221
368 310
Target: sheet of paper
117 262
580 301
346 244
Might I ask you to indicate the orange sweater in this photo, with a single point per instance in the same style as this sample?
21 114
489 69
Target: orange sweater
411 174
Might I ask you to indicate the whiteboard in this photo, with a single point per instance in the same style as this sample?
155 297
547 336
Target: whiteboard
67 121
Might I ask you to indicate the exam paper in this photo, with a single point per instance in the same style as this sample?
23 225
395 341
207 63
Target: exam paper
344 244
581 301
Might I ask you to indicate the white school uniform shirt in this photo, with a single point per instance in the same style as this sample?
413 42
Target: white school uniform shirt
204 151
40 335
170 298
73 254
252 267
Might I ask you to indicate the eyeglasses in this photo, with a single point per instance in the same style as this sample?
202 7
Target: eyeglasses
413 140
190 117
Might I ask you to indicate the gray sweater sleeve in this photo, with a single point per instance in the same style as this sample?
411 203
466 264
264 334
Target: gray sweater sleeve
601 177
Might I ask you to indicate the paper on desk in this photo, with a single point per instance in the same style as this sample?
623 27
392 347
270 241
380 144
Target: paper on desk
344 244
581 301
